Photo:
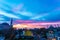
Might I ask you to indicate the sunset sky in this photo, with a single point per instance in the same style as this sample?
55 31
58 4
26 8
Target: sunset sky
39 10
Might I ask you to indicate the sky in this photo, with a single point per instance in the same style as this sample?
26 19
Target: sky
42 10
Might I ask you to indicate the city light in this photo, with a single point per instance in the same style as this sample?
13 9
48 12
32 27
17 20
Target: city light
36 25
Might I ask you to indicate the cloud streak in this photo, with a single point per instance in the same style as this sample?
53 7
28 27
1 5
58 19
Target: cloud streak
1 19
38 16
8 14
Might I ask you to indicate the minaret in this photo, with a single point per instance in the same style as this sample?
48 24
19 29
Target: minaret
11 23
